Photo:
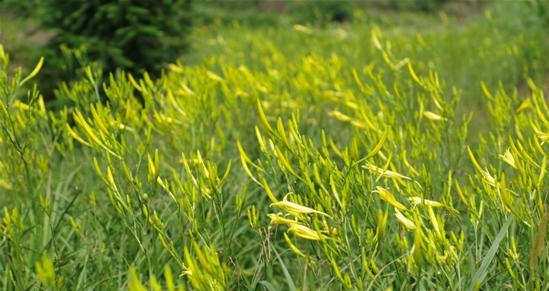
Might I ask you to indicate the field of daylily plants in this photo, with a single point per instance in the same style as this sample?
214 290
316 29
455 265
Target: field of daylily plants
400 153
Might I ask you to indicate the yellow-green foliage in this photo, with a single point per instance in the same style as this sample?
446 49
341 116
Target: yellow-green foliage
322 174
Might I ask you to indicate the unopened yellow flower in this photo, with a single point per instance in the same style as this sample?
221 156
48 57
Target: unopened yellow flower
433 116
404 220
5 184
214 76
21 106
296 209
489 178
508 158
524 105
302 28
340 116
328 231
187 272
305 232
385 173
484 173
419 200
292 246
389 197
542 135
277 219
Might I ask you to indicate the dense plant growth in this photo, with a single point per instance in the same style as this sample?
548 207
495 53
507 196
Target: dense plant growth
295 158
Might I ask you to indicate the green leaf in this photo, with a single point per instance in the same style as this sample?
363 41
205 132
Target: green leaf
34 71
479 275
289 280
268 285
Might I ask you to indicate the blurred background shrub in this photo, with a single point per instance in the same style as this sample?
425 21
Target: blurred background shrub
23 8
541 8
132 35
322 12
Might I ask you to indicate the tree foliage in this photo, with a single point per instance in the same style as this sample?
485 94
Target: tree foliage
129 34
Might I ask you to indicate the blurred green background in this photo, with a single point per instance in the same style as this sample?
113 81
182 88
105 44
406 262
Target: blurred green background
145 35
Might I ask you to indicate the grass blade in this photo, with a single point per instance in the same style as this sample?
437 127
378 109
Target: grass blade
289 280
479 275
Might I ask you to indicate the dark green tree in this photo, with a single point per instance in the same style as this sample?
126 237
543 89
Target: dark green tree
322 12
132 35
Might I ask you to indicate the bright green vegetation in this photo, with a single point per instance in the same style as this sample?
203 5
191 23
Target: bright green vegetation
367 156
